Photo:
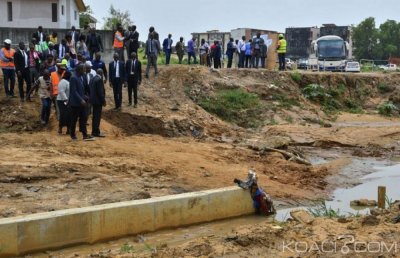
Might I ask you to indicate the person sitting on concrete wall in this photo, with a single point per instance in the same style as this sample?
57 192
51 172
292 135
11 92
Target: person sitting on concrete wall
262 202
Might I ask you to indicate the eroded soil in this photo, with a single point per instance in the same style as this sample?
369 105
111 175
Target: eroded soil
170 145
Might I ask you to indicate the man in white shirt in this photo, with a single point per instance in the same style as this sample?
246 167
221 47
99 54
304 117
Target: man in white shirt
241 48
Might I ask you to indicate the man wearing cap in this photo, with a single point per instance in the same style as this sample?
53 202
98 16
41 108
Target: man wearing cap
22 69
281 49
8 67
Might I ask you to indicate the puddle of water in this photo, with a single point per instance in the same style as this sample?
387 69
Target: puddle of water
368 189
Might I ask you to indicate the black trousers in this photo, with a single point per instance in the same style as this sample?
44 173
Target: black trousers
230 59
217 63
25 76
64 114
132 88
96 118
282 62
78 113
256 58
117 90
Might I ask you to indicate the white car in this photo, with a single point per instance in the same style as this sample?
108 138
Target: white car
389 67
352 67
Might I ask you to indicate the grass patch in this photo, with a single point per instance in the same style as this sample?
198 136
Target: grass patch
285 102
273 122
383 88
296 76
126 248
387 108
161 58
321 210
289 119
236 106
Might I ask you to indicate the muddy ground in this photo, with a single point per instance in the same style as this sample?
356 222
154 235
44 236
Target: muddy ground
170 144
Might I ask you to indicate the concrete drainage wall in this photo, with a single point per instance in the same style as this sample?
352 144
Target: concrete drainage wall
54 230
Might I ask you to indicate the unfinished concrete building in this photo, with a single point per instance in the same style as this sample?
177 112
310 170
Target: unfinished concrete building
299 39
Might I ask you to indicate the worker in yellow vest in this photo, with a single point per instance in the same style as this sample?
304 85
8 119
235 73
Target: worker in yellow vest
281 49
8 67
119 43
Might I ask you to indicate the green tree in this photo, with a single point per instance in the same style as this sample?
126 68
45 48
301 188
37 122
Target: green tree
365 39
389 38
85 17
117 16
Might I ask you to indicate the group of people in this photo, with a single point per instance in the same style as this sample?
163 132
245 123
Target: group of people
63 76
250 53
70 74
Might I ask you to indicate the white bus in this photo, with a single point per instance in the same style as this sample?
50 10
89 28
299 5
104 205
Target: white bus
329 53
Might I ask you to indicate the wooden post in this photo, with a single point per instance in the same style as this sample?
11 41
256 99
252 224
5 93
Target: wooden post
381 197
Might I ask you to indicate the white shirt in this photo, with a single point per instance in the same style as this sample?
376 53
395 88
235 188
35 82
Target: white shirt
63 90
93 72
41 37
26 58
169 43
116 65
241 46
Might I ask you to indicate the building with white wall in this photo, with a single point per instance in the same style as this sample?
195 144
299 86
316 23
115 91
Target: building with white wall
52 14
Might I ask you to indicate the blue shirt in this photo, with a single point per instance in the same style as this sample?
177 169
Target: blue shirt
98 64
191 46
248 49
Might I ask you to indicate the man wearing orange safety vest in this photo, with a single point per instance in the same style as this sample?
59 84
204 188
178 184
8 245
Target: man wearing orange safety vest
119 43
8 67
55 78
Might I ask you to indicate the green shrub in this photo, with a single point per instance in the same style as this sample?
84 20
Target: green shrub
322 210
296 76
383 88
351 103
314 92
338 91
387 108
237 106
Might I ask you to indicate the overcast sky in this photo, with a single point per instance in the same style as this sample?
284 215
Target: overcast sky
182 17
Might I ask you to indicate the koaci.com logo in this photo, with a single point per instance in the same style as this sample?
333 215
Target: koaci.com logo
349 245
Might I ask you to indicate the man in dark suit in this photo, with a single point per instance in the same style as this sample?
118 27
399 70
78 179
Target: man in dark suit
61 49
39 35
94 43
134 76
21 60
74 34
134 40
167 48
116 74
77 103
98 100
